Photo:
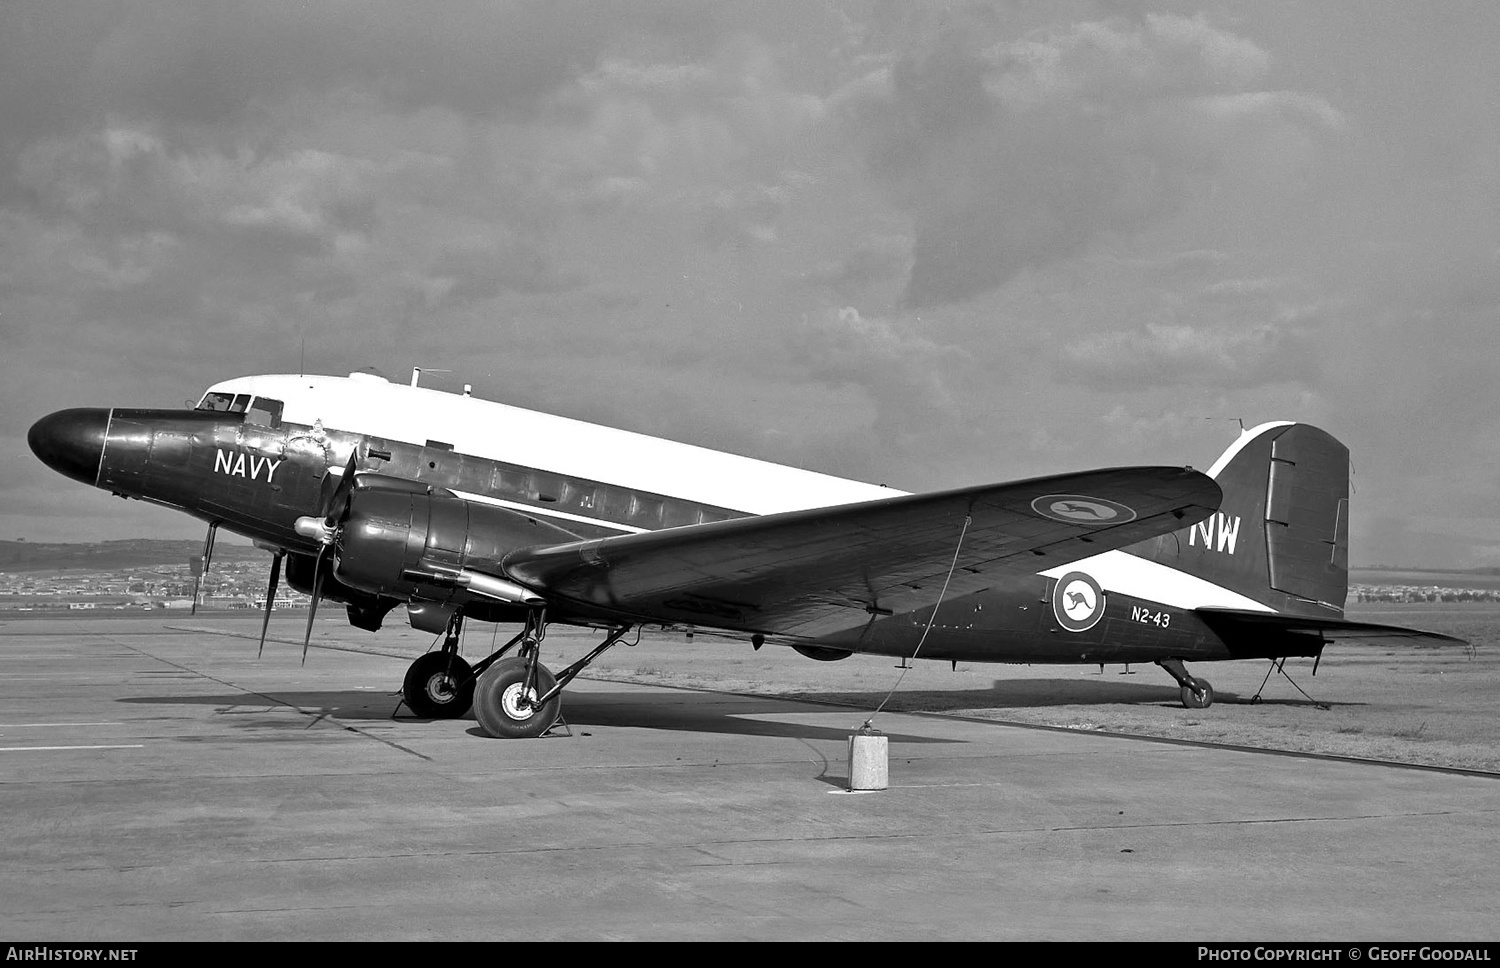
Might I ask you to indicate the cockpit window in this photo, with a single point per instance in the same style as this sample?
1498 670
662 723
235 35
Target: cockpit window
216 401
264 411
241 401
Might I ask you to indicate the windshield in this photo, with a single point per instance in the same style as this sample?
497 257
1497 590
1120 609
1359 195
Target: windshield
228 402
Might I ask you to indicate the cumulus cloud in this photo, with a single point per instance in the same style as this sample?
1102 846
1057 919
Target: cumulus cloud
719 137
1197 319
479 57
905 374
1217 355
483 267
1016 153
873 261
744 216
126 178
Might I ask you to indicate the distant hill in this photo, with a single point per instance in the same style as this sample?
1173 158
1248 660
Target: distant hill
115 555
1425 577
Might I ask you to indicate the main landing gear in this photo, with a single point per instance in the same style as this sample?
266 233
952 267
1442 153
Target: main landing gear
513 696
518 697
1196 693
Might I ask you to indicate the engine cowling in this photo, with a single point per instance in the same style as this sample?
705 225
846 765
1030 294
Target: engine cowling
432 545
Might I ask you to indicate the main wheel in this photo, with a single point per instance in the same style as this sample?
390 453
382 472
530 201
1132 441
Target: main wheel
1198 695
506 709
439 685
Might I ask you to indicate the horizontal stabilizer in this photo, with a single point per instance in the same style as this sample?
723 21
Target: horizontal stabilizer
1331 629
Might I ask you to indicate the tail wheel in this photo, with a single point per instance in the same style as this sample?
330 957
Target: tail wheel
1197 694
439 685
507 709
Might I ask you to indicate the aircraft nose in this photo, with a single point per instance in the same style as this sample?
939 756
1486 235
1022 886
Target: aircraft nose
71 442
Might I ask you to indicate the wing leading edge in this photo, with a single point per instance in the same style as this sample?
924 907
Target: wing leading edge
806 574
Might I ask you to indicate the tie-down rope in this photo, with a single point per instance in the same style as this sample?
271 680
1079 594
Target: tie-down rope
952 566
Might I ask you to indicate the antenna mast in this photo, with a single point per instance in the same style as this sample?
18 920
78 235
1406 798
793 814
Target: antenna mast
416 373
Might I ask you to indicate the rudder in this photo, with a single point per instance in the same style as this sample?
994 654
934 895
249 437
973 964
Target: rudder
1281 535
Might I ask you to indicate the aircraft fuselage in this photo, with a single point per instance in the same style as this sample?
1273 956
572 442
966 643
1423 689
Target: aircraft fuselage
258 475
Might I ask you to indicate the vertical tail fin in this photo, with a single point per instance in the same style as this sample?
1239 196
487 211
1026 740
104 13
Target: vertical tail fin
1281 536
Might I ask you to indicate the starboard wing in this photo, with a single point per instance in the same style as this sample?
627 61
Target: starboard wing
806 574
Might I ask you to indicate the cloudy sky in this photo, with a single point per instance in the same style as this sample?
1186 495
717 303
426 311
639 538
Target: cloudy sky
923 244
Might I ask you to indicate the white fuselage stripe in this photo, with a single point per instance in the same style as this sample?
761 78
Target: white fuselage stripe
547 512
1122 572
556 445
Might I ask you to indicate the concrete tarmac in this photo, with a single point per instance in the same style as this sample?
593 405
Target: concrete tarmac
161 784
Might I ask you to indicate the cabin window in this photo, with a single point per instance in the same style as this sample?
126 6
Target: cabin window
611 503
677 514
471 474
216 401
579 496
548 487
645 511
512 481
265 412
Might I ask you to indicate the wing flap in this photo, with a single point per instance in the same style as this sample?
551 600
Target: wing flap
811 573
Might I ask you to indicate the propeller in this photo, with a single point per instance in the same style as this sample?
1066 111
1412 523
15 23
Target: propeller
317 595
336 502
265 621
335 506
202 563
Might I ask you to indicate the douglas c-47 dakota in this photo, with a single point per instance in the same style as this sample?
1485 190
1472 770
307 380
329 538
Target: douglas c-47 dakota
377 494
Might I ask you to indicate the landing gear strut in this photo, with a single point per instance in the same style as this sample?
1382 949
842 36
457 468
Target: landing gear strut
440 685
1196 693
518 697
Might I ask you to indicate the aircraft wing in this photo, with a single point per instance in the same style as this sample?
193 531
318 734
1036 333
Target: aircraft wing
1330 628
807 574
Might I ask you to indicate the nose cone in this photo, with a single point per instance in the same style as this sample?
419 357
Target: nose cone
71 442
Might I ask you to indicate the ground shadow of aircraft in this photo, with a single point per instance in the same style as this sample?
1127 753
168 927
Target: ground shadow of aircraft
731 715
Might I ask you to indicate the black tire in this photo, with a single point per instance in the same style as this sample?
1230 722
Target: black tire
439 685
498 703
1198 695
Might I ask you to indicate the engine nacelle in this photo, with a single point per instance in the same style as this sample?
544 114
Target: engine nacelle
428 544
366 611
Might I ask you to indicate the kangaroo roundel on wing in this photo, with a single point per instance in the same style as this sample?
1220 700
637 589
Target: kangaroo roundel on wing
1082 509
1077 601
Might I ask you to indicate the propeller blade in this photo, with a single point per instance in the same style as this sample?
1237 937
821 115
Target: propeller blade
265 621
338 499
335 503
202 569
319 571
